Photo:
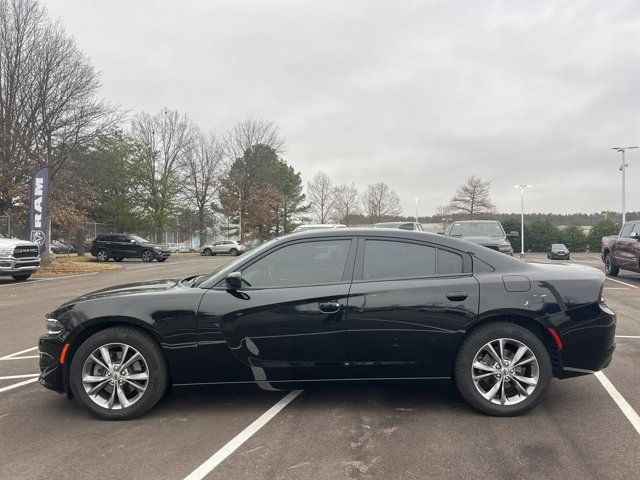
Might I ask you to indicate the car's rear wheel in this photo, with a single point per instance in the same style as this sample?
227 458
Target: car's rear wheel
610 268
147 256
21 278
234 252
118 373
207 252
118 259
503 369
102 255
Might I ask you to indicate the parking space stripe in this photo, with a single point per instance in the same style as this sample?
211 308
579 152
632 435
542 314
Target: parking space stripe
218 457
19 384
627 336
13 355
14 377
627 409
623 283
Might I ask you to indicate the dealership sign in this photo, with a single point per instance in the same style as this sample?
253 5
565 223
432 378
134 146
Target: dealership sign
38 211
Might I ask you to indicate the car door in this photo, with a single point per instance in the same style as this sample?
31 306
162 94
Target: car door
289 324
409 301
623 253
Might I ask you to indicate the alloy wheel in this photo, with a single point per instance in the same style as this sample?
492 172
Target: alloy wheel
147 256
505 371
115 376
103 256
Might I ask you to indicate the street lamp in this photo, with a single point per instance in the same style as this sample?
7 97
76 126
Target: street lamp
623 169
522 187
416 199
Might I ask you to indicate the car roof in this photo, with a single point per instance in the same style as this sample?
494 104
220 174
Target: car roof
476 221
395 223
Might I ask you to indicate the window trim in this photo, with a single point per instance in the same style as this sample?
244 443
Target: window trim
467 269
347 272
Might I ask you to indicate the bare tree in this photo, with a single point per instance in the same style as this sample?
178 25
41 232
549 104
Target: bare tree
204 167
249 133
49 108
347 203
472 199
380 201
322 197
168 139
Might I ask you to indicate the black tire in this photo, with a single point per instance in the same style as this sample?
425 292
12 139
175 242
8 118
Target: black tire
146 346
610 268
21 278
102 255
118 259
234 252
147 256
475 341
207 252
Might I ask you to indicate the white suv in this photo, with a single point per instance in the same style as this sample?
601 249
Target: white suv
230 247
18 258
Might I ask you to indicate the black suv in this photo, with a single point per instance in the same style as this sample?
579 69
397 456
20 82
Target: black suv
120 246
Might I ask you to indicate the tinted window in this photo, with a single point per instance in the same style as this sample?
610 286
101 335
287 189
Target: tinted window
385 260
449 263
626 230
300 264
476 229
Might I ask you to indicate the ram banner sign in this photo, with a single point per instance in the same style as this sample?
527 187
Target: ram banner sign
38 212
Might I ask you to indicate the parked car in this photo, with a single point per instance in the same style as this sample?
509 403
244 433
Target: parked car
401 225
229 247
622 251
558 252
172 247
18 258
317 226
326 305
60 247
488 233
184 248
120 246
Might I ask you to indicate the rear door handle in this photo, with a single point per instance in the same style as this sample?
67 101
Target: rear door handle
457 296
329 307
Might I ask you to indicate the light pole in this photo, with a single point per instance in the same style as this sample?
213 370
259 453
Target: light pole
416 199
623 169
522 187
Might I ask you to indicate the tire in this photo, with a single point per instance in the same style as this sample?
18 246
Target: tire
207 252
234 252
516 400
21 278
118 259
115 339
102 255
147 256
610 268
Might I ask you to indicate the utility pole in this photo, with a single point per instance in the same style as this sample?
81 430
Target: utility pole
522 187
623 169
416 199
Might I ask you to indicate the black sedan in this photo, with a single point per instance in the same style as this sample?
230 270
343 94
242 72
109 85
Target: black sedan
330 305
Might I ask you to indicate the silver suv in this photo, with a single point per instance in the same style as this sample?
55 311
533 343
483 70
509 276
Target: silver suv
229 247
18 258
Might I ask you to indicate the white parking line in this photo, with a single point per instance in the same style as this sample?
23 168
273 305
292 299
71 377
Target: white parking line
19 384
623 283
627 409
627 336
12 356
218 457
14 377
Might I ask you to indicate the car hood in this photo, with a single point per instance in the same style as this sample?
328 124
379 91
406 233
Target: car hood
14 242
130 289
485 240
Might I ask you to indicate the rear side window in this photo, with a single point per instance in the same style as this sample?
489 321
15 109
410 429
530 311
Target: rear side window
306 263
449 263
392 260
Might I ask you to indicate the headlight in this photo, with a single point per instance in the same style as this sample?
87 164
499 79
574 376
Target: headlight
6 251
54 327
158 247
505 248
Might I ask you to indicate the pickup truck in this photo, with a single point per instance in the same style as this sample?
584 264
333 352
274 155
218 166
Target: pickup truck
488 233
622 251
18 258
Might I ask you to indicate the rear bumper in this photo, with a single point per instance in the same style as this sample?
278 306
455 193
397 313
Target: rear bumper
51 371
588 339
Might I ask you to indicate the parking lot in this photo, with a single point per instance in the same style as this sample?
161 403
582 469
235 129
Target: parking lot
586 428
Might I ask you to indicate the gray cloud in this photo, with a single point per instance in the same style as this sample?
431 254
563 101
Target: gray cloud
416 94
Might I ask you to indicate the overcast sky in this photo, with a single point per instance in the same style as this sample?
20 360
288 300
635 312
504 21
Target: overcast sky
416 94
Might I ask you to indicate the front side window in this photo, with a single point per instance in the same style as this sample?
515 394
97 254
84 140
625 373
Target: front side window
626 230
385 259
307 263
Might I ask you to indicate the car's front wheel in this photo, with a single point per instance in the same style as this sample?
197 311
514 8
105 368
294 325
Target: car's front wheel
503 369
147 256
118 373
610 268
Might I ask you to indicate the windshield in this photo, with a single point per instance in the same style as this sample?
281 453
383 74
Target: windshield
558 246
476 229
211 279
139 239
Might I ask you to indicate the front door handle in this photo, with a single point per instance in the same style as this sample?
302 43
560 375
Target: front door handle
329 307
457 296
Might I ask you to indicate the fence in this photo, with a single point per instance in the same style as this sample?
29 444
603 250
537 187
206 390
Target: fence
5 226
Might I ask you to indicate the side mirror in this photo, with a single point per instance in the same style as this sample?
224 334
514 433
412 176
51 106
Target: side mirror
636 236
234 280
513 234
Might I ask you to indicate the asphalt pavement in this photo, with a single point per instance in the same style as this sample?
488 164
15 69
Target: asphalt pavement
582 430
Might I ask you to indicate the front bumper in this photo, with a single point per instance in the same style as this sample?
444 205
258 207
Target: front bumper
161 254
19 266
51 370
